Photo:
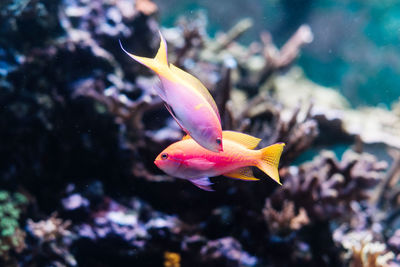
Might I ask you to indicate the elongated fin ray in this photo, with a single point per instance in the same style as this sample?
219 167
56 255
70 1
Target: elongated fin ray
197 85
244 173
160 90
202 183
246 140
269 161
175 118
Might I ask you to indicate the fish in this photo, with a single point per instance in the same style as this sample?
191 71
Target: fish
186 98
186 159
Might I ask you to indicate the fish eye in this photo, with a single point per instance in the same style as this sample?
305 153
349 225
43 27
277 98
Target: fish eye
164 156
219 142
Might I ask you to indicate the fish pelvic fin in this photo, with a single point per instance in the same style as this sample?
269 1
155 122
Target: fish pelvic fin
159 63
244 173
269 161
202 183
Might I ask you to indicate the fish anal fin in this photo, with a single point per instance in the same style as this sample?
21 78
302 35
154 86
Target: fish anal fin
197 85
245 173
246 140
202 183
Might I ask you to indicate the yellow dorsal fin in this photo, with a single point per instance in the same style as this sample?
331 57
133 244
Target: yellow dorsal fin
159 63
269 161
195 84
244 173
246 140
186 137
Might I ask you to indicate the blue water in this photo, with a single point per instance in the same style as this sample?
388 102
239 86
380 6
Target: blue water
356 43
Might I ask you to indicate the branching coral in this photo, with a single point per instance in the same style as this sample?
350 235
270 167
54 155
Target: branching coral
79 114
363 250
326 187
284 221
226 252
277 60
52 240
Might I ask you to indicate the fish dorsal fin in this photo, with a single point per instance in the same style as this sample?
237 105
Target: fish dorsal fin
246 140
197 85
245 173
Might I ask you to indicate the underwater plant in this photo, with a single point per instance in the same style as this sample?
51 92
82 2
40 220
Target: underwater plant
12 237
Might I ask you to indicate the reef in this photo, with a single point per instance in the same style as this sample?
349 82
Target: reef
81 126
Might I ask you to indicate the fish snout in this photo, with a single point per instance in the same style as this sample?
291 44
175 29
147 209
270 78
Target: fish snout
157 162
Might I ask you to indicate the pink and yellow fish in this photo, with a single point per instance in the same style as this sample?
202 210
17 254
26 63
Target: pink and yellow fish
187 160
186 98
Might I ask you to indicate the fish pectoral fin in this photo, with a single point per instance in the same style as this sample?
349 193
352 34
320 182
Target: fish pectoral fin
175 118
246 140
200 164
245 173
202 183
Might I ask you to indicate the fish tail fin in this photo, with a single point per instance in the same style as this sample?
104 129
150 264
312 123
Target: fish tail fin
159 63
269 161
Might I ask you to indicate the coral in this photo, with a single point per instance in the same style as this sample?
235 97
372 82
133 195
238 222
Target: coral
226 252
326 187
285 221
363 250
394 241
133 231
277 60
81 126
49 230
51 240
12 237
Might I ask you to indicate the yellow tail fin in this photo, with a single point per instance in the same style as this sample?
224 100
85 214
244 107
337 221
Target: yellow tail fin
158 63
269 161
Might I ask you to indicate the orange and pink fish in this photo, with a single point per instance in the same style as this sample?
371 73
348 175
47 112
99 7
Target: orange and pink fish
187 160
187 99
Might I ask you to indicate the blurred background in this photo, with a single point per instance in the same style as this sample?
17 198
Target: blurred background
355 48
81 125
